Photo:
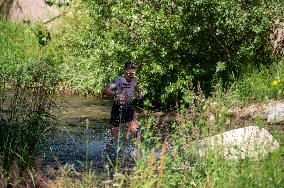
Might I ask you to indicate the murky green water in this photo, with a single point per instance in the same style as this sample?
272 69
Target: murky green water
81 132
75 111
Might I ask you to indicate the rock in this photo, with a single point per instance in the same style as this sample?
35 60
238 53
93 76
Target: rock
275 113
241 143
32 11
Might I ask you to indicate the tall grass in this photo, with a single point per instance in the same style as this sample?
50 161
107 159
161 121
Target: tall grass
181 169
28 78
261 84
25 115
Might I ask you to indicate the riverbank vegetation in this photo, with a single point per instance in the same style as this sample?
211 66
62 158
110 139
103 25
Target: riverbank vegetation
28 79
199 58
176 44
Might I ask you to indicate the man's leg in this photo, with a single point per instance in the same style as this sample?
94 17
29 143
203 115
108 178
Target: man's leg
115 120
114 132
135 130
133 127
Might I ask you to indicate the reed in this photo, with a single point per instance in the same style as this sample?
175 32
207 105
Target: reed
25 116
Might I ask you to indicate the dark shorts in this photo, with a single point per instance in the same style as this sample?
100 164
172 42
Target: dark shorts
121 114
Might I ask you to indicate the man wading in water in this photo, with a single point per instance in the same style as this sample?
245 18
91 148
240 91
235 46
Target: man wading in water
122 89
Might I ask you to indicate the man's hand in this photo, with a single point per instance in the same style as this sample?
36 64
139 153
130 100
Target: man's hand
122 97
140 94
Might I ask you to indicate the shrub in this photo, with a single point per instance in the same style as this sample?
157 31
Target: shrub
175 43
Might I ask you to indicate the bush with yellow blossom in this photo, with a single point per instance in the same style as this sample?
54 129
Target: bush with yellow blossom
277 84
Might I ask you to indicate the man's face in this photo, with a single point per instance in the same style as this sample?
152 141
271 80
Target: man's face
130 73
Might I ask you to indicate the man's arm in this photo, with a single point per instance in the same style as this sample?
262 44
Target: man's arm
111 88
109 91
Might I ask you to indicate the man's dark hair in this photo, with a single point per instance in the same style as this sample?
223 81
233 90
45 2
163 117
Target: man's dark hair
129 65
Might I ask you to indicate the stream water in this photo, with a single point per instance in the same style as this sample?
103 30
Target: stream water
80 134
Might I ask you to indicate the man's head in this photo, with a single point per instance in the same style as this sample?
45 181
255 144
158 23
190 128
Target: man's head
129 70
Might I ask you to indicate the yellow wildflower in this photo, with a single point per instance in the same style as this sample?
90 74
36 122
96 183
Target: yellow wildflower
275 82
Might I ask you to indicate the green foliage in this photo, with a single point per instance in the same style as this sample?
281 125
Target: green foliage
174 42
83 70
25 113
183 167
260 84
28 78
244 173
19 46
